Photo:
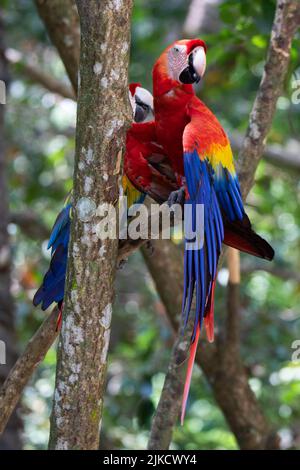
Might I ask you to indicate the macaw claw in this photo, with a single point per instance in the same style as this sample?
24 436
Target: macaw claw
177 197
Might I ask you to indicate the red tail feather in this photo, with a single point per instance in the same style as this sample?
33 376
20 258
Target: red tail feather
188 378
59 318
239 234
209 317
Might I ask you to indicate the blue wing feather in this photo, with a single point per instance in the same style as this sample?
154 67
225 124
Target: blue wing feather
229 194
201 261
53 285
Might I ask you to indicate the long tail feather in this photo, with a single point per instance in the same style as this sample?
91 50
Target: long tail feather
188 378
59 317
240 235
209 316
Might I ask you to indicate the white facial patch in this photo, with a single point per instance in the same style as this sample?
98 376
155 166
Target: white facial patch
132 102
177 60
144 96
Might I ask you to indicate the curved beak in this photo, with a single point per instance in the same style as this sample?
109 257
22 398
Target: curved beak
199 61
196 67
143 112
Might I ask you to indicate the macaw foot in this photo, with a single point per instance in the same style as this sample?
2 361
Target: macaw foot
177 197
122 264
149 247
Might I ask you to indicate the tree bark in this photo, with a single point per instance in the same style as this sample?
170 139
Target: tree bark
102 120
11 438
62 23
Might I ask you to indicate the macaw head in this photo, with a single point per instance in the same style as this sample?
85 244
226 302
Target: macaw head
142 103
183 62
186 60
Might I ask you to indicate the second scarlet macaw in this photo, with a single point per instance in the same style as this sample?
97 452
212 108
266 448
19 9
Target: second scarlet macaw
199 151
53 285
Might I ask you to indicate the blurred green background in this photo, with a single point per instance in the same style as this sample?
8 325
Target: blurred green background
40 147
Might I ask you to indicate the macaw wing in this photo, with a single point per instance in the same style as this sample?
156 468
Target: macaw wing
53 285
146 165
202 249
203 238
61 228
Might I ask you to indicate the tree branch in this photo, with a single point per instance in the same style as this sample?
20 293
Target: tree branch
284 156
286 23
30 224
23 369
36 75
62 24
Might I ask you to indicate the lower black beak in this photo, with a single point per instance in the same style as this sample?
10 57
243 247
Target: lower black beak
189 74
140 114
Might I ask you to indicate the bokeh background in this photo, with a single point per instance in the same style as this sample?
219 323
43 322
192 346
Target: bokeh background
39 129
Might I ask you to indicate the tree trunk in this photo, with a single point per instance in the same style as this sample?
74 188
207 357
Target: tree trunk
102 120
11 437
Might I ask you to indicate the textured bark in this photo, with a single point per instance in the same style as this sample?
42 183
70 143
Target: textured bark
23 369
61 21
286 23
11 437
103 117
168 408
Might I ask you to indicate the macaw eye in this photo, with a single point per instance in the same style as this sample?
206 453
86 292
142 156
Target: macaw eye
176 49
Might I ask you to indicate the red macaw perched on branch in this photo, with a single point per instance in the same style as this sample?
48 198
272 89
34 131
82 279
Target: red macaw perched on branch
200 153
53 285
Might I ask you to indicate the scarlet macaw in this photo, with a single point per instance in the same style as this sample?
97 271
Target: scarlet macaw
52 288
199 150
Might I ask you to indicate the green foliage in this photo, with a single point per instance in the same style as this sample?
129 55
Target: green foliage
40 129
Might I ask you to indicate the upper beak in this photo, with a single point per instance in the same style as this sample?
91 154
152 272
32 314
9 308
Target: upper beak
196 67
199 61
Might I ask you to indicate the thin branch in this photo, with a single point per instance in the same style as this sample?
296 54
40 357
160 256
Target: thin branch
249 266
36 75
284 156
168 407
30 224
286 23
232 325
62 23
202 17
23 369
